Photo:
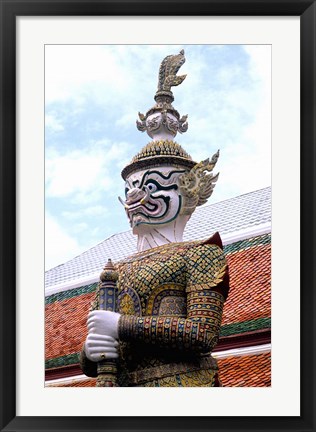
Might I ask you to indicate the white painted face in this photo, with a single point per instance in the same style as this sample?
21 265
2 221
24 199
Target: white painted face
152 196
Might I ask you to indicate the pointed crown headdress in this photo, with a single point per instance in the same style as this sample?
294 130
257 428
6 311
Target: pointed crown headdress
162 122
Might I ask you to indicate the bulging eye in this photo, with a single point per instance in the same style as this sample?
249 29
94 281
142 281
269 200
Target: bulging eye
126 191
151 187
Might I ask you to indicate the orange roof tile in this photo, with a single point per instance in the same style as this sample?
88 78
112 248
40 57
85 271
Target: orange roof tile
246 371
239 371
65 325
250 285
249 299
90 382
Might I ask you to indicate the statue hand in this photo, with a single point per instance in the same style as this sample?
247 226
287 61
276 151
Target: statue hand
98 347
103 323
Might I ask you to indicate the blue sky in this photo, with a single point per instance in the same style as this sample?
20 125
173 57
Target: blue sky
92 96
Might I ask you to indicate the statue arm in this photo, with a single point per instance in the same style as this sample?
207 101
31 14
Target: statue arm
207 280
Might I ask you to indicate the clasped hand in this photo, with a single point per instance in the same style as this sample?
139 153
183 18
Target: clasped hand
101 342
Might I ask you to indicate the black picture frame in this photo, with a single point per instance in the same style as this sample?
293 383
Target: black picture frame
10 9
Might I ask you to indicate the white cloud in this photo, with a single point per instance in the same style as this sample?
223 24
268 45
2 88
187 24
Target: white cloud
127 119
73 172
59 245
53 123
79 227
260 63
72 70
258 133
241 129
84 175
97 210
246 164
104 72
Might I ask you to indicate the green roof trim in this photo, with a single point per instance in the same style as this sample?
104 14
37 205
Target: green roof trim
245 326
226 330
228 249
66 360
247 243
74 292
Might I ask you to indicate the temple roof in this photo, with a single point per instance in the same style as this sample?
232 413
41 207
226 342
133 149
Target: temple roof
229 217
235 371
247 308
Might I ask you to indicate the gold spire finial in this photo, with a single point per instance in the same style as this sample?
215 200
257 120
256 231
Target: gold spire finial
168 77
163 121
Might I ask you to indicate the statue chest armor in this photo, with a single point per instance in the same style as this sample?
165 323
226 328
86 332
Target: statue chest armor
153 283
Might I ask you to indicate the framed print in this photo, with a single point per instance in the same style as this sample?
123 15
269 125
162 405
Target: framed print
29 31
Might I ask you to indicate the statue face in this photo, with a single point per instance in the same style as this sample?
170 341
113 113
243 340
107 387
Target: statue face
152 196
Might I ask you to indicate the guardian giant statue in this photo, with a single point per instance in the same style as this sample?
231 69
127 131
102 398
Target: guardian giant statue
157 314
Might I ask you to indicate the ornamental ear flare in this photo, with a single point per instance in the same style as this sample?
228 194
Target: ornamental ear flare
197 186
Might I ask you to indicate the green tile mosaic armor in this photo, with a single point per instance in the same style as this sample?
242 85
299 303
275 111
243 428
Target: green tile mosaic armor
228 249
171 300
